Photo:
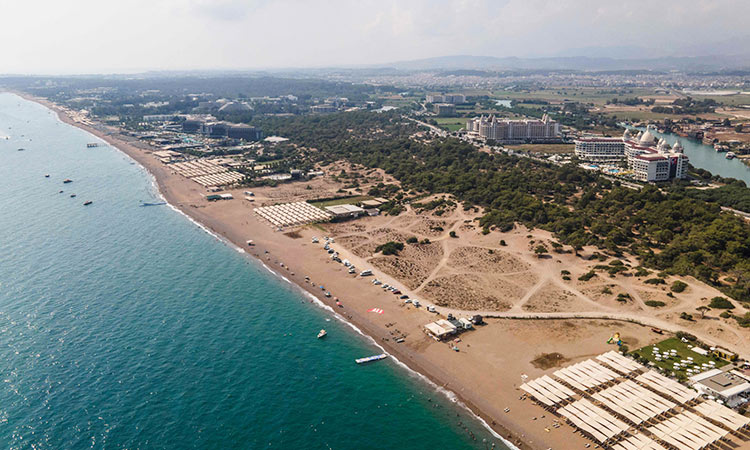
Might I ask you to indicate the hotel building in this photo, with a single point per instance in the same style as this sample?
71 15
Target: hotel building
600 149
507 131
446 98
652 160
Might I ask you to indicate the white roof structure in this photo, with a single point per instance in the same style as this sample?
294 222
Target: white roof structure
547 390
292 214
619 362
345 210
638 442
592 419
688 431
440 328
668 387
722 414
633 401
585 375
615 415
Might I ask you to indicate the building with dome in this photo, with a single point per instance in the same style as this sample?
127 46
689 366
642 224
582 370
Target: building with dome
653 160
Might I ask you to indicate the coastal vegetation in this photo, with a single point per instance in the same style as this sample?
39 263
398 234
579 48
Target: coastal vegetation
668 229
678 286
390 248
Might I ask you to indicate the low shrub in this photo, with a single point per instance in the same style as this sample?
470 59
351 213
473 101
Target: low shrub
654 303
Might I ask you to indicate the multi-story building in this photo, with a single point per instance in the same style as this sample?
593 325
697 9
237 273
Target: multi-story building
214 129
446 98
222 129
600 149
323 109
652 160
244 132
507 131
445 109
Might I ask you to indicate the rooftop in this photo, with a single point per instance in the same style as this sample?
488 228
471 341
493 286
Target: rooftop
724 383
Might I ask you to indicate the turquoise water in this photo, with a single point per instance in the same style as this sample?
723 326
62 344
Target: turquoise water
129 327
705 157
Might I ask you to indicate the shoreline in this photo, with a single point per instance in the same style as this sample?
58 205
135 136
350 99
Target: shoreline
416 365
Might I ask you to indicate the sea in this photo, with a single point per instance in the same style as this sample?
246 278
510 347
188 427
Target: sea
131 327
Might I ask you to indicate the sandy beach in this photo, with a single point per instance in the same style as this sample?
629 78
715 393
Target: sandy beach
487 370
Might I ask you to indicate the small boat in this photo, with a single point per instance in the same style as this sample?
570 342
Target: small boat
322 334
92 145
21 149
67 180
46 176
730 155
72 195
371 358
87 203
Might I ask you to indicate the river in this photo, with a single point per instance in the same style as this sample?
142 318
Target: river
705 157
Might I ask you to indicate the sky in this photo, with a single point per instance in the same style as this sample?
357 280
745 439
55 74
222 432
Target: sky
121 36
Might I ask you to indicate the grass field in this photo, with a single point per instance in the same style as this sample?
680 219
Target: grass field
683 352
451 123
342 201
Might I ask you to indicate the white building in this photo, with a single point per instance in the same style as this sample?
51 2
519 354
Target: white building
507 131
600 149
345 211
446 98
652 160
731 387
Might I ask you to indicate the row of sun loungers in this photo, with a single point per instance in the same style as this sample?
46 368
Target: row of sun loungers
646 400
207 172
292 214
220 179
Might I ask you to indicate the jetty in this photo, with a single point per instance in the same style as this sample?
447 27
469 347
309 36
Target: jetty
371 358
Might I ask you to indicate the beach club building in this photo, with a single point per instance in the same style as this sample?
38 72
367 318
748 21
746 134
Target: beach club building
440 329
344 211
731 387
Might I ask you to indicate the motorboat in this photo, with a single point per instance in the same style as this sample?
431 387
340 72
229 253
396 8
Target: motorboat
322 334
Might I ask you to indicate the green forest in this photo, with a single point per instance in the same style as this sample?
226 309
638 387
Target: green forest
670 229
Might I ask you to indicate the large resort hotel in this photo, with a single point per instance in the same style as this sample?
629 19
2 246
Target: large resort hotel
507 131
622 405
648 160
